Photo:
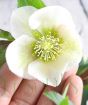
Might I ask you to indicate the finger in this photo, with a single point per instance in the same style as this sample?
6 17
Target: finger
65 77
75 89
27 93
70 72
8 85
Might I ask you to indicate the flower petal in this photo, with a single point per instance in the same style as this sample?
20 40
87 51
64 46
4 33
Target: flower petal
19 55
50 73
51 17
72 44
19 21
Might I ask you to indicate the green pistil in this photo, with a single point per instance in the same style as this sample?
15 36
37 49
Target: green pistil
47 48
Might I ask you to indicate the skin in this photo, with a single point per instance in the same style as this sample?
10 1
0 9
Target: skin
18 91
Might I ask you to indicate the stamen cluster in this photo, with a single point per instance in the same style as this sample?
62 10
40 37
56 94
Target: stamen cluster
47 48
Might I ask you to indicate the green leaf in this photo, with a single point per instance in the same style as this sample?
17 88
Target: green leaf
57 98
2 55
83 66
3 46
4 43
85 95
35 3
65 101
6 35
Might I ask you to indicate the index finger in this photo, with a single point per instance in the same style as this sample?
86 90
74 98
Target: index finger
8 85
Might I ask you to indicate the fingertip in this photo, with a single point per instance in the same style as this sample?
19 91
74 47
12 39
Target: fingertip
71 71
75 89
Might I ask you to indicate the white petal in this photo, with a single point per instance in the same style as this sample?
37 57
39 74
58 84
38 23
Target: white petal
19 21
49 73
51 16
72 45
52 73
19 55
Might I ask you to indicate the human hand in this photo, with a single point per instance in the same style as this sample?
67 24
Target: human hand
18 91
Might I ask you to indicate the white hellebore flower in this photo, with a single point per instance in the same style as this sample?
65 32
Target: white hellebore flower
46 45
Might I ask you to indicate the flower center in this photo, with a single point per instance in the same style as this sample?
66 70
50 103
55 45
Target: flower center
47 48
